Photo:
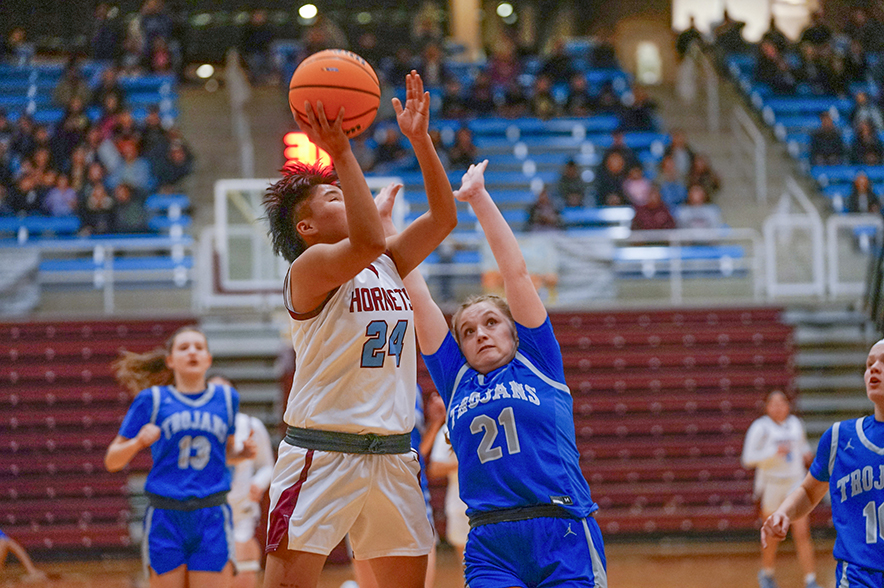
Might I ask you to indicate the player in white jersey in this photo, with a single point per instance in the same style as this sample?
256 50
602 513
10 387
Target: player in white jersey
776 446
346 464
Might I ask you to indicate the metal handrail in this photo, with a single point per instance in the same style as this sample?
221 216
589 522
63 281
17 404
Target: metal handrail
749 142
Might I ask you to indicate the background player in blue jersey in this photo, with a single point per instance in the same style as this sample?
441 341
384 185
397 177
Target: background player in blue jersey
511 424
188 532
849 464
7 545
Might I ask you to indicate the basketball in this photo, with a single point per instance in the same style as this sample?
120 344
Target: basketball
338 79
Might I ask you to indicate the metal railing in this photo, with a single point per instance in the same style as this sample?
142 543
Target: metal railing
750 150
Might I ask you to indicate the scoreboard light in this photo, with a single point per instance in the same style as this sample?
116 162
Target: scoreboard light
298 148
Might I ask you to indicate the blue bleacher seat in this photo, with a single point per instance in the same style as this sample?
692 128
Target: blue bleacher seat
158 202
605 216
37 225
832 174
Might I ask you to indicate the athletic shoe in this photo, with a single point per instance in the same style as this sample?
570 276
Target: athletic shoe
812 584
765 581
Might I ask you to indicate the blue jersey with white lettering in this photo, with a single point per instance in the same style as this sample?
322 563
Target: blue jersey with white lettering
850 457
189 458
513 428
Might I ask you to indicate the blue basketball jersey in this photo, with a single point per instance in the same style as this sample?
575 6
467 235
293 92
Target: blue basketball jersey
189 458
850 457
513 429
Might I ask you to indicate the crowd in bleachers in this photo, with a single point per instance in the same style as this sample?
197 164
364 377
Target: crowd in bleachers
822 94
94 138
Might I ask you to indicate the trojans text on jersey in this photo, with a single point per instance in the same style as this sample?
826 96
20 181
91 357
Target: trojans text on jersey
195 419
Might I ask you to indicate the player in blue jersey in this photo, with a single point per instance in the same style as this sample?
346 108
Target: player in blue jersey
849 464
511 425
9 545
189 427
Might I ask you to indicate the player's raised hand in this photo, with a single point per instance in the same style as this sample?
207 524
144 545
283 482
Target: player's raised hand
473 183
384 201
329 136
775 528
414 118
148 434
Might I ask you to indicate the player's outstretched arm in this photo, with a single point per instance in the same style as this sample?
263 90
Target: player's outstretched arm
420 238
329 265
121 450
525 303
798 504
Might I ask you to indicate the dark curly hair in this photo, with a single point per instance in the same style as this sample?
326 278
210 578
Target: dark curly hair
283 203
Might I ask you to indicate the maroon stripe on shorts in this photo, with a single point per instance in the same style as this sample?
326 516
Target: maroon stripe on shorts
278 524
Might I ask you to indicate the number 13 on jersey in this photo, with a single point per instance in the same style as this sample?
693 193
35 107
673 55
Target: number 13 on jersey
373 351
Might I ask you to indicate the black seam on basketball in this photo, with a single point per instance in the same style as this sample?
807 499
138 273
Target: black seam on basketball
378 95
370 73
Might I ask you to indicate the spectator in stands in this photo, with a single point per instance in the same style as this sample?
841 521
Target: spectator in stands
639 114
130 168
105 37
672 187
867 149
701 173
174 167
439 146
865 111
836 72
453 103
132 60
154 138
159 60
254 45
391 155
609 180
698 213
618 144
70 132
61 200
775 36
426 29
557 67
826 144
400 64
728 35
812 71
367 47
364 151
431 64
514 104
41 161
76 167
862 197
817 32
570 183
579 102
688 37
27 195
868 32
607 101
5 205
93 144
543 215
128 210
636 187
71 85
682 155
772 69
653 214
603 55
464 152
856 63
156 23
504 66
109 85
543 103
7 129
109 117
95 209
7 545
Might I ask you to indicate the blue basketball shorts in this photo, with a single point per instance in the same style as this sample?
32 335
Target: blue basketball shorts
536 552
201 539
848 574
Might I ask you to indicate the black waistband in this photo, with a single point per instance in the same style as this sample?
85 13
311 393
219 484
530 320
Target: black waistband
216 499
524 513
348 442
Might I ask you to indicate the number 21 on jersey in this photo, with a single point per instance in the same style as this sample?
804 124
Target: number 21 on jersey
484 423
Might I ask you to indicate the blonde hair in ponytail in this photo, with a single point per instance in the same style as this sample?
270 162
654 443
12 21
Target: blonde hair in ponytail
137 371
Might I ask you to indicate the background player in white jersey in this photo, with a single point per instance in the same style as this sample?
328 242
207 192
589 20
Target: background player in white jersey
849 465
189 426
346 464
776 446
511 424
250 481
443 464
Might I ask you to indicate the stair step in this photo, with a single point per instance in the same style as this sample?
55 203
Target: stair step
827 359
829 382
809 335
832 403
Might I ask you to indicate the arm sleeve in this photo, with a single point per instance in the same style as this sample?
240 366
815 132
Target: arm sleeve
444 366
541 347
138 414
819 469
264 457
757 452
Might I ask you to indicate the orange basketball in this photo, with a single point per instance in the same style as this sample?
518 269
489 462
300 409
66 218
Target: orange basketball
338 78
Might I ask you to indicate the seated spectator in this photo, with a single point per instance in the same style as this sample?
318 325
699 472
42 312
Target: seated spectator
128 210
441 151
864 110
5 205
703 175
464 152
543 104
543 214
480 98
104 41
75 170
698 213
69 133
618 144
867 149
71 85
682 155
16 50
826 144
672 187
94 204
159 60
579 102
41 161
504 66
856 63
775 36
603 55
363 148
607 101
836 73
728 35
132 61
61 200
688 37
557 67
154 138
862 198
131 168
431 66
817 32
390 152
399 65
23 142
254 45
639 114
812 71
771 69
571 182
109 85
636 187
174 167
868 32
7 129
609 181
653 214
453 103
27 195
514 104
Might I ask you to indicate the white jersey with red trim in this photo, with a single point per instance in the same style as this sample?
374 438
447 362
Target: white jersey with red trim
355 357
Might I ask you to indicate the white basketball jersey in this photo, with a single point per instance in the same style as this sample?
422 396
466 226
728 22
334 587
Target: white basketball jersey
763 440
355 358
